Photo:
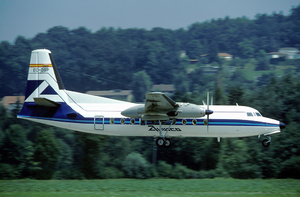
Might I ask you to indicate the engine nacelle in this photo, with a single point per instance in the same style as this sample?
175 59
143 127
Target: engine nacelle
134 112
188 110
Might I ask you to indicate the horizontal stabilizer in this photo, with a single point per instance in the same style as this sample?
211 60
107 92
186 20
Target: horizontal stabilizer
45 102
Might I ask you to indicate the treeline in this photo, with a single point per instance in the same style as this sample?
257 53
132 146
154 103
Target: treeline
29 150
109 58
135 59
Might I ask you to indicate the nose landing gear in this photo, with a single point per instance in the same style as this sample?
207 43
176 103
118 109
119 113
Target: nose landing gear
266 142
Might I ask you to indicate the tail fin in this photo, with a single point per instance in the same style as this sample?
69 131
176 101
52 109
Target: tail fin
43 77
45 90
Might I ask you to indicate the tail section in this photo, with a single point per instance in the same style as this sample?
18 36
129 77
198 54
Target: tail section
43 78
45 91
47 101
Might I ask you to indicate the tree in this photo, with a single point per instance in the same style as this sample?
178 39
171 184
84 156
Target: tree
235 95
15 152
47 153
195 49
262 61
141 84
246 49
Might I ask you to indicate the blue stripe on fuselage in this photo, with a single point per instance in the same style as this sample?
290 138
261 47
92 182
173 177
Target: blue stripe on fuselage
30 110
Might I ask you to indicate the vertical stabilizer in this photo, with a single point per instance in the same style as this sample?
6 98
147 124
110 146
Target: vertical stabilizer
43 78
45 95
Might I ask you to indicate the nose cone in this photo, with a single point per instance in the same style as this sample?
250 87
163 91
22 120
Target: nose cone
208 112
282 125
130 112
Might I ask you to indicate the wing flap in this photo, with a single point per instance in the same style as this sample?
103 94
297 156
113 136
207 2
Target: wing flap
157 102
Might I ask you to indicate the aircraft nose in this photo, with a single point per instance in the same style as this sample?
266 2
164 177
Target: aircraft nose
282 125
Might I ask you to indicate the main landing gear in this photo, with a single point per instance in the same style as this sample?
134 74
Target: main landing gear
162 140
266 142
166 142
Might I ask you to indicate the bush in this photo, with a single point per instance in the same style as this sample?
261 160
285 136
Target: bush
136 166
164 169
110 173
182 172
8 171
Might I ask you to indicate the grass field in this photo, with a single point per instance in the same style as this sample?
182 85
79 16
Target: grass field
249 71
151 187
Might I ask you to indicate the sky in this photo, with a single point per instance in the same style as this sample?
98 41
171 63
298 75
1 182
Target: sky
30 17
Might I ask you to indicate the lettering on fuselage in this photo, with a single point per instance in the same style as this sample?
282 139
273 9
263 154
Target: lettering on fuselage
153 128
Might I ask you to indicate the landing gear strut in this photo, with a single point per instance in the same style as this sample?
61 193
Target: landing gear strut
162 140
266 142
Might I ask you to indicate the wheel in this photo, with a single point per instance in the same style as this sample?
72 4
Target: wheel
265 143
160 142
168 142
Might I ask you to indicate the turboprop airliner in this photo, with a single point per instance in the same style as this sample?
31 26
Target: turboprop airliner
48 102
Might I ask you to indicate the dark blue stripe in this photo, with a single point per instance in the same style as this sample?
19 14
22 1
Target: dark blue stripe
137 122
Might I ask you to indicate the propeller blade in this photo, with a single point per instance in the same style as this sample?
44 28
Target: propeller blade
208 111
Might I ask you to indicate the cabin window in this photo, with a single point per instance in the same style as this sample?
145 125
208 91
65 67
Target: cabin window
257 114
184 121
122 121
132 120
194 122
112 121
249 114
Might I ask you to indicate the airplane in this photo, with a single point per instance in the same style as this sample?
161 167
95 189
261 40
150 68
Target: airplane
48 102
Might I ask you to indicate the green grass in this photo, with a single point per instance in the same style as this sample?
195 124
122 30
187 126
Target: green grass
249 71
152 187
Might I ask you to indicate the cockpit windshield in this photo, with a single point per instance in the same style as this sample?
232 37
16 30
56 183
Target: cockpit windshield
251 114
257 114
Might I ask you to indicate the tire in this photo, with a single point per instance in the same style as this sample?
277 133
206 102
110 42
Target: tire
265 143
160 142
168 142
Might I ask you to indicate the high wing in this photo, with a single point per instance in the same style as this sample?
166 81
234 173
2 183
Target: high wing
159 106
158 102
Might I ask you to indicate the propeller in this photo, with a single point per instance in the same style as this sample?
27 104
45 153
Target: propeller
207 111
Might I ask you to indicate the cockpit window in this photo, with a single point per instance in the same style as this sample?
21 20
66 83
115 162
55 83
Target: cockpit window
257 114
249 114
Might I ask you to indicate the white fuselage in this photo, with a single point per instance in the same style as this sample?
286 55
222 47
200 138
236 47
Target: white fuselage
106 119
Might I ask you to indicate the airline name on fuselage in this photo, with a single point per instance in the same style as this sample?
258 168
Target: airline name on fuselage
153 128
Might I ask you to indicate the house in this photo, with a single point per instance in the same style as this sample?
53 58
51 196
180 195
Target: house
276 57
124 95
182 54
273 55
297 56
210 69
225 56
204 58
291 52
194 61
168 89
11 102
